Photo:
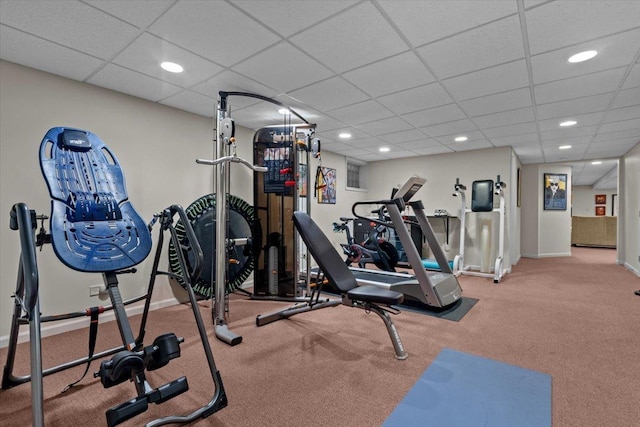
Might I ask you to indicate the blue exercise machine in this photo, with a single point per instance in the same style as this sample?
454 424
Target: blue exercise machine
95 229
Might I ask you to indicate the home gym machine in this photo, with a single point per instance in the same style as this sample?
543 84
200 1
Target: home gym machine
437 289
281 154
282 256
482 200
95 229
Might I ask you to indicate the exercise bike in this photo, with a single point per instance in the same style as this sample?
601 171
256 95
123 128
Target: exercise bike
375 248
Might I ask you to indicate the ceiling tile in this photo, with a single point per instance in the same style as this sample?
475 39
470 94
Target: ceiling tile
426 21
147 52
625 113
385 126
613 51
521 115
472 135
433 116
450 128
548 29
329 94
422 142
122 80
576 87
633 79
354 38
553 154
582 119
416 99
369 157
71 24
138 13
511 130
482 47
470 145
192 102
626 98
526 138
283 67
562 109
233 82
216 30
284 16
404 136
389 75
35 52
613 135
568 132
430 151
492 80
620 126
334 134
361 113
498 102
573 141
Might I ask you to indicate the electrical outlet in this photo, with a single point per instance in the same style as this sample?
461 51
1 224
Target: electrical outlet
94 291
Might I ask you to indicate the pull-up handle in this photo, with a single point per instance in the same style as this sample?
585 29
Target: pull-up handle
232 159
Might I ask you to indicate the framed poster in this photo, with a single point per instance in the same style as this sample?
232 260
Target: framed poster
326 185
601 199
555 191
601 210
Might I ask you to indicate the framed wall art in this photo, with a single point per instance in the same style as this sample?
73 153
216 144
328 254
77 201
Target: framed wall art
555 191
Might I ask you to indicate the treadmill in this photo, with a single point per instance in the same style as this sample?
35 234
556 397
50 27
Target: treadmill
436 289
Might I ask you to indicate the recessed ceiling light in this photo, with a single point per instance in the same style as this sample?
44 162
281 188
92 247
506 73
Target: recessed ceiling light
583 56
564 147
384 149
460 139
283 111
344 135
172 67
597 162
568 123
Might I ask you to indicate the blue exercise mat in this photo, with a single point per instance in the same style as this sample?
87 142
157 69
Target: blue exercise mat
432 264
459 389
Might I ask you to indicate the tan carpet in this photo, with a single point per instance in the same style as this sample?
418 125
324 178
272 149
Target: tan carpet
575 318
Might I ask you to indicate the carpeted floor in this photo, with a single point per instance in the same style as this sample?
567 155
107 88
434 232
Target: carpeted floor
573 318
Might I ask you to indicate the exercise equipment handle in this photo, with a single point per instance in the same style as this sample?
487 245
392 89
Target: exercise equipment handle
399 202
232 159
192 238
22 220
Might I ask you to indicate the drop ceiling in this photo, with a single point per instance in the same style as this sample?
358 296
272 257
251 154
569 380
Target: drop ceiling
407 75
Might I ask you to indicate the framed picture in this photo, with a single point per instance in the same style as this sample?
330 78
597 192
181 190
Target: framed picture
555 191
601 199
601 210
519 189
326 185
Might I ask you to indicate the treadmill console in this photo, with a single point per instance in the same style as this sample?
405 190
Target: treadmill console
409 188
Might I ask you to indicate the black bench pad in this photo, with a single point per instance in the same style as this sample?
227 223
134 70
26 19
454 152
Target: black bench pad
374 294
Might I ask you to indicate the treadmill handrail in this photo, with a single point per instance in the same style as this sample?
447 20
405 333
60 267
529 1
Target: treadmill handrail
398 202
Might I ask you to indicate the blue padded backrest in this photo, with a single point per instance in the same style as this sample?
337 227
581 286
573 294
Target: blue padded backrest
321 249
94 227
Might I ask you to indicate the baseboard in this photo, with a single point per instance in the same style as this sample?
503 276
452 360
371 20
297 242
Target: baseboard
58 327
632 269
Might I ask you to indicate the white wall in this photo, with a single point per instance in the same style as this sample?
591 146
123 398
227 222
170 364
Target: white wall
583 200
629 224
156 145
544 233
